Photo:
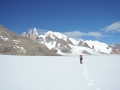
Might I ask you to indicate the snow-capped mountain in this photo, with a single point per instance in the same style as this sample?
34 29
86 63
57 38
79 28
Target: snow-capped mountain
61 44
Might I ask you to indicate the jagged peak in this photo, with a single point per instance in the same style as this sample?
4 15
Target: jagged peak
35 31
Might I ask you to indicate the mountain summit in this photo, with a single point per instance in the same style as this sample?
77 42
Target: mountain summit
61 44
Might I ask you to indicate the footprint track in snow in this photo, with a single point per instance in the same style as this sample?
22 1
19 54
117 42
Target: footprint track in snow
91 83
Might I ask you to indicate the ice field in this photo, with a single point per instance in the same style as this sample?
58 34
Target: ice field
98 72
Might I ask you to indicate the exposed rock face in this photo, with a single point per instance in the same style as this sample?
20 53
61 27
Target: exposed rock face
82 43
93 47
31 34
62 45
85 52
48 39
14 44
115 48
69 42
55 50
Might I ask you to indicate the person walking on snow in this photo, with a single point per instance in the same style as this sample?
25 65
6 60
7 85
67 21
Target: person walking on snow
81 57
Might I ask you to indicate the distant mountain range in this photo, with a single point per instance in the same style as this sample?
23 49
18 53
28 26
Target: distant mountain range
61 44
50 44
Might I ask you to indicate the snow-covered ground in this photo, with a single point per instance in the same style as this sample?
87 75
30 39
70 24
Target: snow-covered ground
98 72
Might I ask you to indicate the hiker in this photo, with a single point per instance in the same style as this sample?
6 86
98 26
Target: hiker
81 57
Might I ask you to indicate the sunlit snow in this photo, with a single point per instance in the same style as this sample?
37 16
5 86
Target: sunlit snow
4 38
59 35
99 46
98 72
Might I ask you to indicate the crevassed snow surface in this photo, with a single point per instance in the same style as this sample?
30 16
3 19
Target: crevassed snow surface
98 72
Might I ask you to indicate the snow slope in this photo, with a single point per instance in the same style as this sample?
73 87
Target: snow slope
76 50
57 34
98 72
99 46
53 39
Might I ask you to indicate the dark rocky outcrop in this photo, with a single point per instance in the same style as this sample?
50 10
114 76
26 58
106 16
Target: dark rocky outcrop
82 43
63 47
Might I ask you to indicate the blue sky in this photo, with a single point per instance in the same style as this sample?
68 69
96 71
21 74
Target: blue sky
80 19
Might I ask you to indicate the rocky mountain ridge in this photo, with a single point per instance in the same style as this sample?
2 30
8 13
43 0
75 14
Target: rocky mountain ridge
14 44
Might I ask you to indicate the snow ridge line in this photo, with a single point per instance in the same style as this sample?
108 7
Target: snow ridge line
90 81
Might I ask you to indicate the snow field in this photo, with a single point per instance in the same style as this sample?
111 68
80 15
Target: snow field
98 72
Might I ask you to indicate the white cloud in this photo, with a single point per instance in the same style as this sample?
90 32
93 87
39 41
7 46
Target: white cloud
115 27
74 33
94 34
80 34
